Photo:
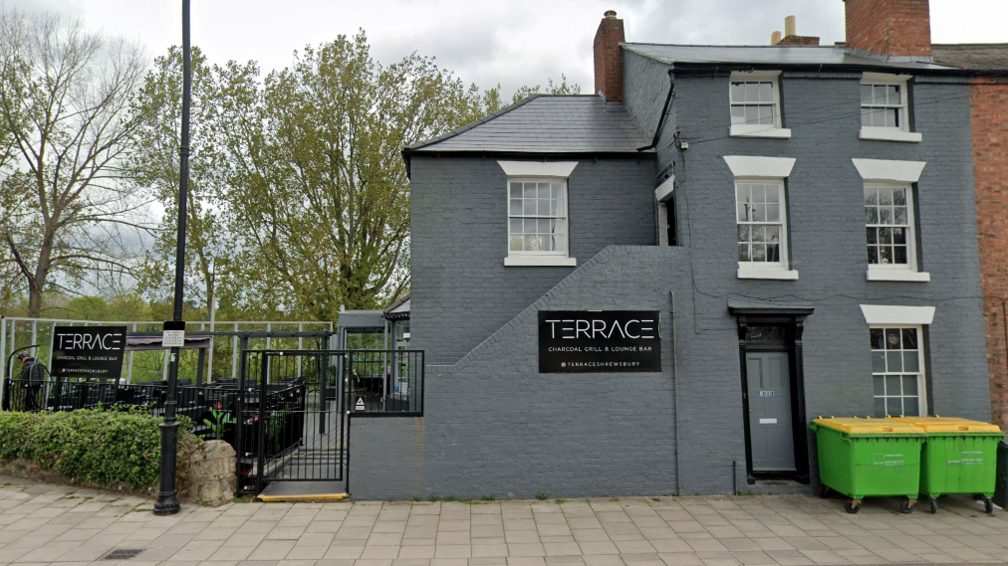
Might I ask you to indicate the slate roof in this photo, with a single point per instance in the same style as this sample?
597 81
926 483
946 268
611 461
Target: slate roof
974 56
545 124
774 55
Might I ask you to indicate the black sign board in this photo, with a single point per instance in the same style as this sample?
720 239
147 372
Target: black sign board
599 341
88 351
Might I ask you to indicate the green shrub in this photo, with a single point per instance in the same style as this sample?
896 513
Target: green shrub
95 447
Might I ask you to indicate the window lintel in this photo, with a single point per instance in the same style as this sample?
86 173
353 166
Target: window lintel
561 169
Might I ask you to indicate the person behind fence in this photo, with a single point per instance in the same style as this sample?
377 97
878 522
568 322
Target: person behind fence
31 378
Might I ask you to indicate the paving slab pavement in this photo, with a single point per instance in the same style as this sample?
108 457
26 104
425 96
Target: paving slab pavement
42 524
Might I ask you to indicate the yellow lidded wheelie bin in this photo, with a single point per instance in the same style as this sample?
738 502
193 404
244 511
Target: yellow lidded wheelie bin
959 457
869 458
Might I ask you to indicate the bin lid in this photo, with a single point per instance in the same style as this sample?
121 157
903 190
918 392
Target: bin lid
949 424
868 426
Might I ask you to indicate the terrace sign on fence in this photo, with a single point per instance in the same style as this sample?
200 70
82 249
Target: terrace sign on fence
233 335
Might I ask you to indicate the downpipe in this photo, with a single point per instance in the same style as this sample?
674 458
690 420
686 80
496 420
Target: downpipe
675 391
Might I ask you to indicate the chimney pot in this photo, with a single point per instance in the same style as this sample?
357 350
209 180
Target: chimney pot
775 38
789 26
610 13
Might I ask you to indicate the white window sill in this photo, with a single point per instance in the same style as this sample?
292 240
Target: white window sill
898 275
539 261
774 273
750 131
889 134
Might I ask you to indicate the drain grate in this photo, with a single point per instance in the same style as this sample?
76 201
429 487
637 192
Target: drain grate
122 553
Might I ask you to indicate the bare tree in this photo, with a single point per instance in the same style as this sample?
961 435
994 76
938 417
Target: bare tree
64 102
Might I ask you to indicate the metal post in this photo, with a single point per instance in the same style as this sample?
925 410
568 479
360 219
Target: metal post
300 346
213 311
385 366
3 358
261 425
234 352
129 372
167 503
199 366
13 344
52 341
269 329
323 392
240 441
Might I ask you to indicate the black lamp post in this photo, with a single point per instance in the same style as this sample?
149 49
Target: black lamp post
167 503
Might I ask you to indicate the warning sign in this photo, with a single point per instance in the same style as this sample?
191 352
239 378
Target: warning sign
359 405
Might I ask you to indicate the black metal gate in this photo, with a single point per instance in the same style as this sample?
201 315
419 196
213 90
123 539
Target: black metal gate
295 409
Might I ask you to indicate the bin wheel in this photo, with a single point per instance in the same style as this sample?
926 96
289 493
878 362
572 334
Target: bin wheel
852 505
933 505
988 505
906 505
823 491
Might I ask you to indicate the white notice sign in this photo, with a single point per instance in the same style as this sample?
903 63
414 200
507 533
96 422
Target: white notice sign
173 338
359 405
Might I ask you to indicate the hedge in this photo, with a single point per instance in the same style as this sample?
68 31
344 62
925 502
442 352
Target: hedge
92 446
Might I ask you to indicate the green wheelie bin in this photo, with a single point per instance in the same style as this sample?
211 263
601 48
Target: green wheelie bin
959 457
869 458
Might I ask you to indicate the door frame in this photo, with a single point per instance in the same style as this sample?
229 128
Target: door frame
792 320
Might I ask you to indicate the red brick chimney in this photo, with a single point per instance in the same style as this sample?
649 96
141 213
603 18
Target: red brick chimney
608 58
889 27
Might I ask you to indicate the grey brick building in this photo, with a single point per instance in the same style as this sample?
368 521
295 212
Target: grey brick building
801 219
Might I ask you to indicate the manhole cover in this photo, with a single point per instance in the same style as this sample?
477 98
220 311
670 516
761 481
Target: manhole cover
122 553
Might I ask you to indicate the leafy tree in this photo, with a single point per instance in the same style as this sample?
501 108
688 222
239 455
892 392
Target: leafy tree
155 165
321 190
126 306
299 189
63 102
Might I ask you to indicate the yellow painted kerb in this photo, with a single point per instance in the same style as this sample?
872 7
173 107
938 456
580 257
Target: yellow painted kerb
296 498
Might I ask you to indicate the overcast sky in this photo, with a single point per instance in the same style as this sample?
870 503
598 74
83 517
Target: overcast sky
511 42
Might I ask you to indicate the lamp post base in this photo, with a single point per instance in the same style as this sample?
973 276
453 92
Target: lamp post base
167 503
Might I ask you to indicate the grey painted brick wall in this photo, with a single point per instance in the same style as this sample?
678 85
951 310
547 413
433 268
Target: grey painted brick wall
825 202
494 425
460 288
646 84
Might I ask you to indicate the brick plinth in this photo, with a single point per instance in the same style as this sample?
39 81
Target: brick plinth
798 40
989 109
892 27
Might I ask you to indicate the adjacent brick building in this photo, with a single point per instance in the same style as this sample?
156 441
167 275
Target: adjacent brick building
989 118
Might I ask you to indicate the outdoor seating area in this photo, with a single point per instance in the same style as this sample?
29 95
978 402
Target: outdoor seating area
212 408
